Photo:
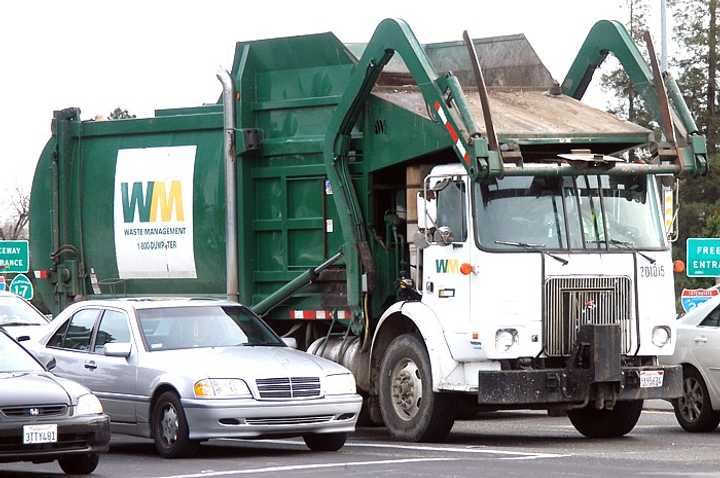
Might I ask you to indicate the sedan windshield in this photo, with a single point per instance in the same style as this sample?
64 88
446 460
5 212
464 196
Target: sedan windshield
15 311
173 328
587 212
13 358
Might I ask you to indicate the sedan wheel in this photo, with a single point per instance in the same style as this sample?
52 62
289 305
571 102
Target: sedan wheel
694 410
170 428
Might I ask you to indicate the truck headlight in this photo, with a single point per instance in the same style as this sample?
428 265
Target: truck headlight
88 404
222 388
340 384
505 339
661 335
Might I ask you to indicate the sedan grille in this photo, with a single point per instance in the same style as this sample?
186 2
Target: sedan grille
288 420
574 301
40 411
288 387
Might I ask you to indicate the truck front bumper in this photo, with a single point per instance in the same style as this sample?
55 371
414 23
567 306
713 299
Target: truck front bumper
572 386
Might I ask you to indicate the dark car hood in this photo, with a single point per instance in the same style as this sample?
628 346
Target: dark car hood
31 388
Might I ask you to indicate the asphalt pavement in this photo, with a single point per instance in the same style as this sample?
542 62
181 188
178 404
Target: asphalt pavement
501 444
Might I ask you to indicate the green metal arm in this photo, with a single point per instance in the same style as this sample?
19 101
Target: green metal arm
390 37
612 37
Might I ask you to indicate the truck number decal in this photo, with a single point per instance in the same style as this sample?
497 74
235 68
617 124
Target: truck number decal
652 271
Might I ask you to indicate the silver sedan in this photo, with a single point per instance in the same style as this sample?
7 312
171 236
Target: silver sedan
698 351
183 371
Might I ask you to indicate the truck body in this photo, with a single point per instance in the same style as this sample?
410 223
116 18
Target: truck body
461 238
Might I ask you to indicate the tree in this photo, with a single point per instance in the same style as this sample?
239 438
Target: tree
15 227
626 103
696 32
119 113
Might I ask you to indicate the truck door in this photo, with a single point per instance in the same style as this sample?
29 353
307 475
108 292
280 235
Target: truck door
446 278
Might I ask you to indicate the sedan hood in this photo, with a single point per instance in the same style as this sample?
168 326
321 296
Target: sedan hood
32 388
35 332
244 362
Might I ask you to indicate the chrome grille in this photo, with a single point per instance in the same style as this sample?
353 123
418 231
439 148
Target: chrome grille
39 411
288 387
574 301
288 420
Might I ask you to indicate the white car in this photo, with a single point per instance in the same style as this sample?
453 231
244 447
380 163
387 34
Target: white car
698 351
20 318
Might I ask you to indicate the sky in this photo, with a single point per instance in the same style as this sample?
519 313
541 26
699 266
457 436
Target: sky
143 55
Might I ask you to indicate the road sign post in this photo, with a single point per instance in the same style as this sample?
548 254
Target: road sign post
14 257
703 257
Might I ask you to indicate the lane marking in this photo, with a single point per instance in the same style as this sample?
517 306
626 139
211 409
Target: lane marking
309 466
517 455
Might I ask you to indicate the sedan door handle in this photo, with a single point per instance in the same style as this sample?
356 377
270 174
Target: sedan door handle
90 364
700 340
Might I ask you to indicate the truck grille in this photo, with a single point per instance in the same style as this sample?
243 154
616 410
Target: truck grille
288 387
40 411
574 301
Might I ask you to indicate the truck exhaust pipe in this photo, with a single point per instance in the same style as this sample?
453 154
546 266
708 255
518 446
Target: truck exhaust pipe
231 259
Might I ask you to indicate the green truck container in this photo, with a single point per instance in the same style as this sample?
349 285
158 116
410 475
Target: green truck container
352 217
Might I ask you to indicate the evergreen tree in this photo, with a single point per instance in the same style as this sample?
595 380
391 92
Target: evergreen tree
696 33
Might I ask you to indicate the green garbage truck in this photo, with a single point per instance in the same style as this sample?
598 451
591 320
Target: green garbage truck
445 219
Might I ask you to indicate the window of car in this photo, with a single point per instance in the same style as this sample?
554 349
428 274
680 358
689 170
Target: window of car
113 328
712 319
172 328
15 311
77 332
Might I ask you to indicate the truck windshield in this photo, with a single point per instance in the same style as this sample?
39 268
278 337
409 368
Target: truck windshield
173 328
571 213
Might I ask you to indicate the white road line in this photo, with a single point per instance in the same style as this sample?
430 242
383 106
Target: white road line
517 455
309 466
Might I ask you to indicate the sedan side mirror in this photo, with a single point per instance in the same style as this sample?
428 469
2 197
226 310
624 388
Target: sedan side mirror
290 342
118 349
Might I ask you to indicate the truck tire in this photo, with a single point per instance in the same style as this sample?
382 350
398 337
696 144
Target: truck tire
410 409
619 421
325 441
694 410
170 428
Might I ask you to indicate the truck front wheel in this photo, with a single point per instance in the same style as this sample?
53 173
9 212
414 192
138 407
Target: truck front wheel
619 421
410 409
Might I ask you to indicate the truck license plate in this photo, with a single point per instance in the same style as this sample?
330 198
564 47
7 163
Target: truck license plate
651 378
33 434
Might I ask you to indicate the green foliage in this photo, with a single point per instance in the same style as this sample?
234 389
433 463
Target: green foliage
119 113
625 102
696 34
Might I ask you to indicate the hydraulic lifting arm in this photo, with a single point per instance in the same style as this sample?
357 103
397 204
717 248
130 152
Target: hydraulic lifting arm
612 37
446 105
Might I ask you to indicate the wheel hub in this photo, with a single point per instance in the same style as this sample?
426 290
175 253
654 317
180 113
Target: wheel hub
691 402
406 383
169 424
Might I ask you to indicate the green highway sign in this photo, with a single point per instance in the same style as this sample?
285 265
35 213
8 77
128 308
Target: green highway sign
703 257
22 286
14 257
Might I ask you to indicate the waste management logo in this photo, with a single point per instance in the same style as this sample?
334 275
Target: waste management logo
153 218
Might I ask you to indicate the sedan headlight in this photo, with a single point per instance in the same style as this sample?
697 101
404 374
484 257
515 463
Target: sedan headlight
340 384
222 388
88 404
661 336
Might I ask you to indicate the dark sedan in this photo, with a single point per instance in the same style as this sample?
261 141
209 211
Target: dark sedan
44 417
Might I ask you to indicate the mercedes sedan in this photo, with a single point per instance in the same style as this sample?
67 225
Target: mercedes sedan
45 418
183 371
698 351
